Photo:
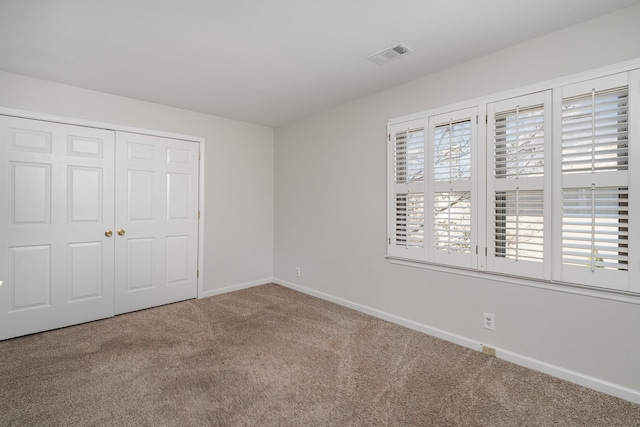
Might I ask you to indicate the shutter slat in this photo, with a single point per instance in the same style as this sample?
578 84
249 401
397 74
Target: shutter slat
579 115
607 154
616 133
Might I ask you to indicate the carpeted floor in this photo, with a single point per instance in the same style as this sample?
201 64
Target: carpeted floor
270 356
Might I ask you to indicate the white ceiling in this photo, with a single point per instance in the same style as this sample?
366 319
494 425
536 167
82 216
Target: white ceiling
263 61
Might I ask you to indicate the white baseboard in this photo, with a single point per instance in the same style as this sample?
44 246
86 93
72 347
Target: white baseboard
232 288
597 384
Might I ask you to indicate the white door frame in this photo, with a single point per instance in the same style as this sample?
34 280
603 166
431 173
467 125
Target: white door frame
108 126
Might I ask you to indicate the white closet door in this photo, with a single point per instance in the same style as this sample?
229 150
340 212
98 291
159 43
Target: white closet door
57 192
156 221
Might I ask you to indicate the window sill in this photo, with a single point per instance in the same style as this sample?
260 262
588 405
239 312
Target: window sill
589 291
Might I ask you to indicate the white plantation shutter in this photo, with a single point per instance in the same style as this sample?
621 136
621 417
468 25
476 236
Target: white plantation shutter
452 144
406 230
518 132
592 244
546 187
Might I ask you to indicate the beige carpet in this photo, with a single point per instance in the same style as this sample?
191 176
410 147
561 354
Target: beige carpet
269 356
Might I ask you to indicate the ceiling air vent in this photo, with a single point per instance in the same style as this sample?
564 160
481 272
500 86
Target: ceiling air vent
389 54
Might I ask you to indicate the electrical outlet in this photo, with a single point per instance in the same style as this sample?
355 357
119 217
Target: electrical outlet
489 351
489 321
297 271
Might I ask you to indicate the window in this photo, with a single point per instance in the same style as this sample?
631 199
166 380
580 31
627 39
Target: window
537 185
593 202
407 231
452 138
518 139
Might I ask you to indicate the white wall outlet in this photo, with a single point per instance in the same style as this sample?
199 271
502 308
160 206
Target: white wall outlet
489 321
297 271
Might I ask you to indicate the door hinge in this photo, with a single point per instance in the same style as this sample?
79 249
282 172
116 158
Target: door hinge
197 274
476 119
199 158
389 137
486 119
198 214
476 249
486 252
389 240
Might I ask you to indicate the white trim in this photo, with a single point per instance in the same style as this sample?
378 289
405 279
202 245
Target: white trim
575 377
201 221
93 124
438 333
634 177
233 288
571 288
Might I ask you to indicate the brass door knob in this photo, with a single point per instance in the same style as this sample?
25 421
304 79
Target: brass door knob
108 233
121 232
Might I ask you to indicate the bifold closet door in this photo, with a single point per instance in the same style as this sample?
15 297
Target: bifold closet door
57 193
156 221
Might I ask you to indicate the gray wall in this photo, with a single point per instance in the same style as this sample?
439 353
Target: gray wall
239 169
330 215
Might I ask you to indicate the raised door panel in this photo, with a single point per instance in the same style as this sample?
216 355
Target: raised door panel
140 195
23 137
177 260
84 146
84 194
55 260
140 264
178 196
30 187
30 277
85 279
